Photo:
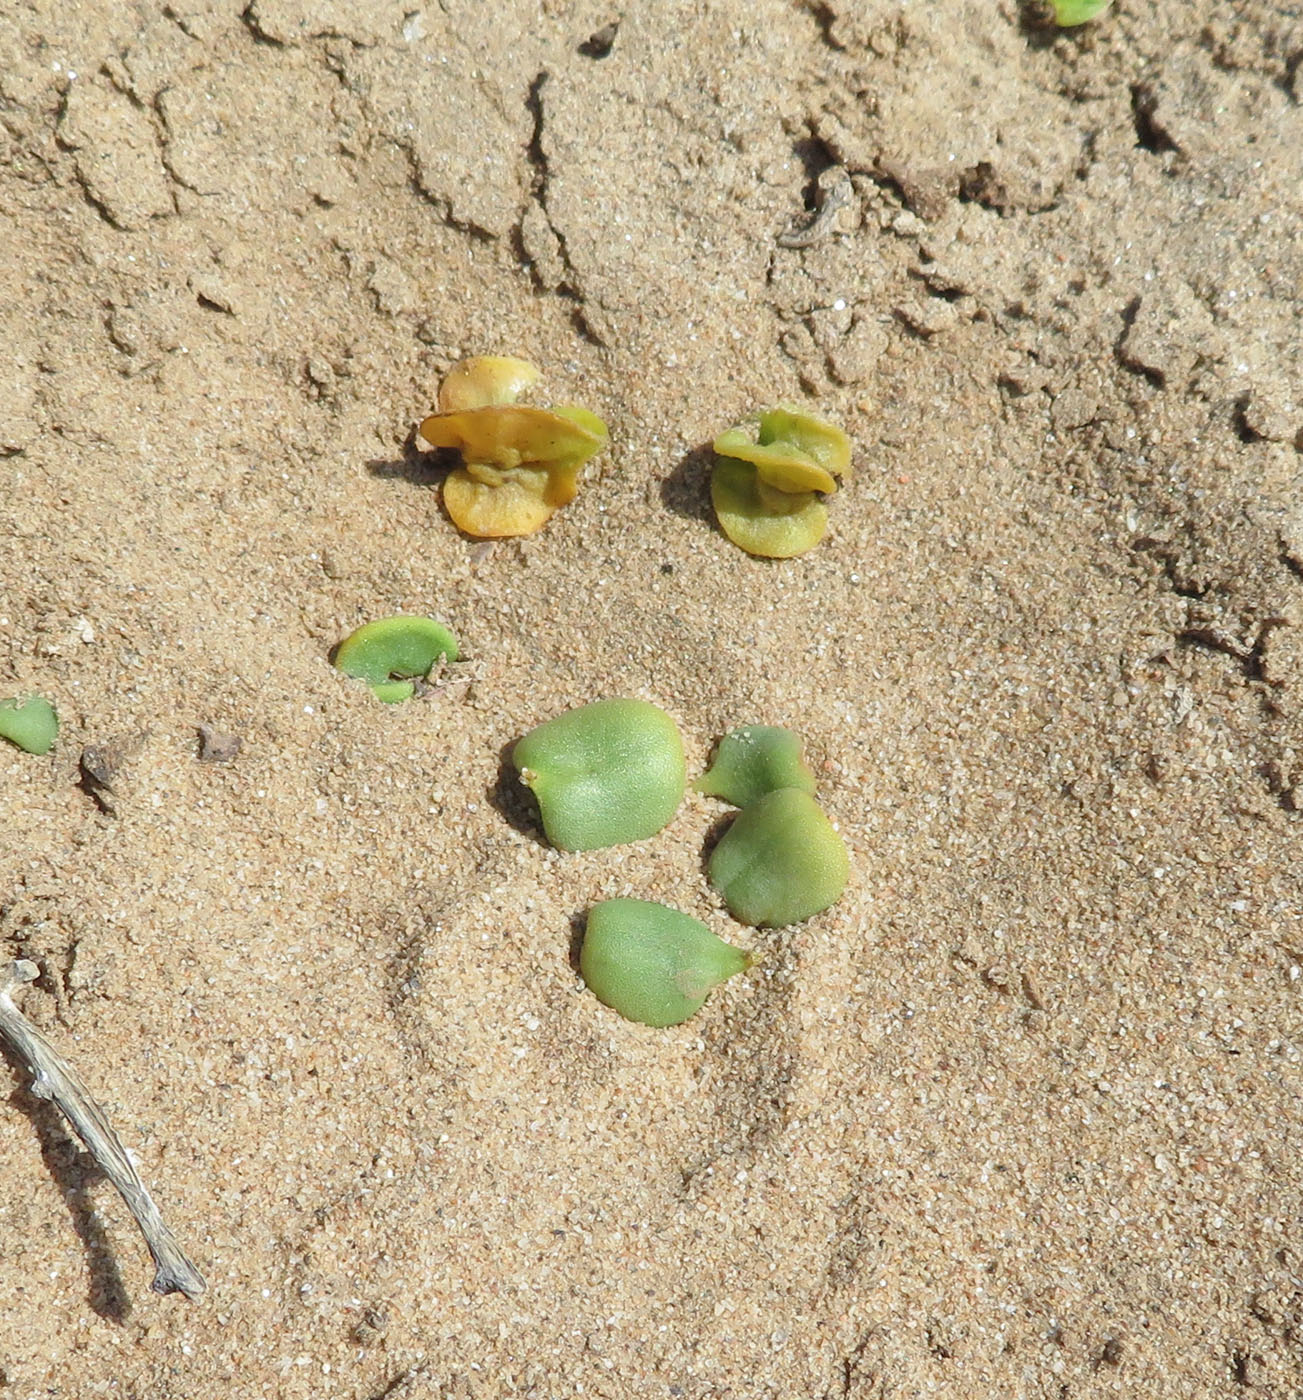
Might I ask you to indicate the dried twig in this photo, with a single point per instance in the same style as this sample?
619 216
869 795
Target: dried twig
835 193
55 1079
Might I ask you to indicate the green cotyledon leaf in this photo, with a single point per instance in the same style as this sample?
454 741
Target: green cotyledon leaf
391 652
754 760
30 722
652 963
780 862
762 521
604 774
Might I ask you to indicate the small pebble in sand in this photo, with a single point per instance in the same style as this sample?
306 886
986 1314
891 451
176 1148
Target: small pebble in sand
216 747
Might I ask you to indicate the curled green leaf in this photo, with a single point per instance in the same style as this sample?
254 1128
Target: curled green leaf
392 652
767 473
653 964
780 862
604 773
754 760
30 722
777 465
762 520
791 450
1068 13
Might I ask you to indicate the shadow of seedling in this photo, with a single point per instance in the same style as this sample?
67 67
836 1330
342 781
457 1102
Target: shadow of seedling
1037 26
714 833
423 466
578 926
513 800
74 1173
686 490
419 465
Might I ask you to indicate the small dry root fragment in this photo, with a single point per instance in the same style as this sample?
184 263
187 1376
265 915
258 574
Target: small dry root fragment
519 463
55 1079
765 486
835 193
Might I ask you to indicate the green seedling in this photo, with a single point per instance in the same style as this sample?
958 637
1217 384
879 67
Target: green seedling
764 483
754 760
1068 13
763 521
604 774
791 451
653 964
30 722
391 653
780 862
519 464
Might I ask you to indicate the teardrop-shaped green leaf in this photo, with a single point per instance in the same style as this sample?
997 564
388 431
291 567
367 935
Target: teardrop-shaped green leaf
653 964
780 862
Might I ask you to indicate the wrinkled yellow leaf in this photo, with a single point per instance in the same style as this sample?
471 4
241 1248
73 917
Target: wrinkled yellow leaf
519 463
514 504
505 435
483 380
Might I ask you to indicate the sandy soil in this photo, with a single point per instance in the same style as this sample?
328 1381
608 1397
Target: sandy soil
1020 1116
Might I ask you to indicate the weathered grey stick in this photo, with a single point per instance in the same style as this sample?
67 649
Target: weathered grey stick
55 1079
835 193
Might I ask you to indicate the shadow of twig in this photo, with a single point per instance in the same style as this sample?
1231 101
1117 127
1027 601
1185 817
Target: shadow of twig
73 1172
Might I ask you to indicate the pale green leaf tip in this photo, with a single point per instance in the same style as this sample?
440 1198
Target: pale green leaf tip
30 722
1070 13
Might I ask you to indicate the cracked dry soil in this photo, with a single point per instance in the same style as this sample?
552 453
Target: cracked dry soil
1020 1116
